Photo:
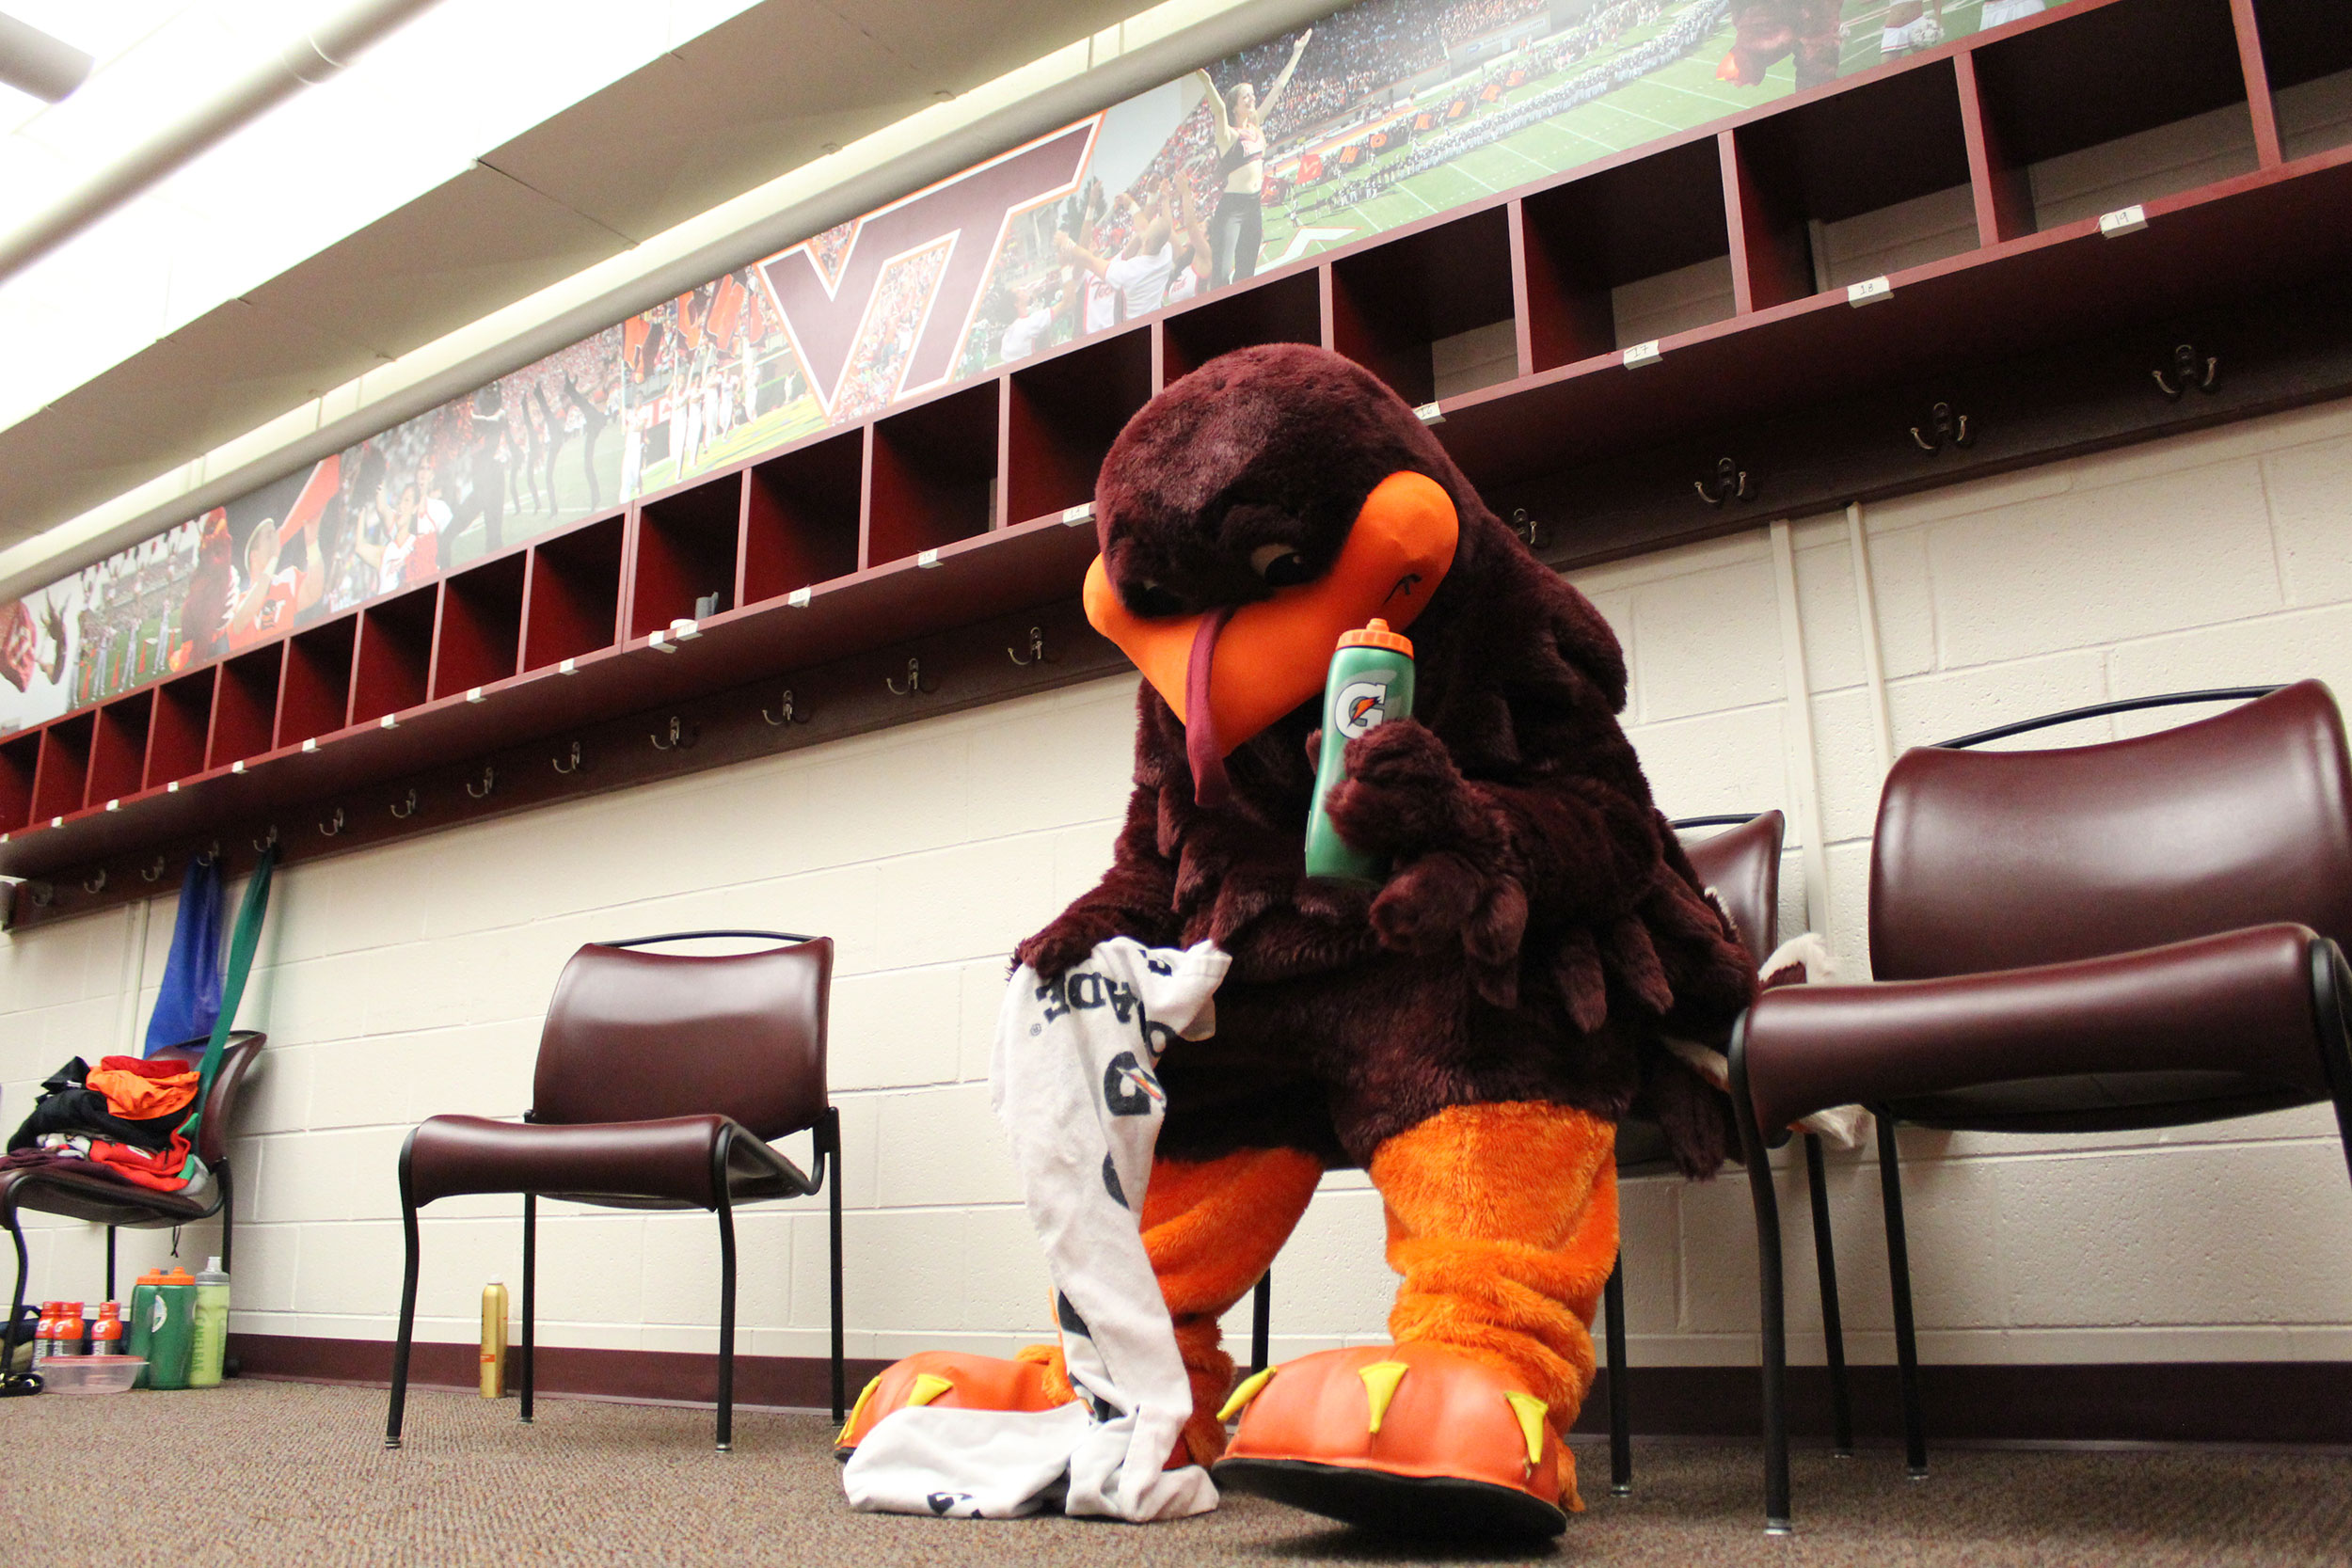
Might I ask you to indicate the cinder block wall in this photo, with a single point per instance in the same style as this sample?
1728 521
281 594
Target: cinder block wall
408 980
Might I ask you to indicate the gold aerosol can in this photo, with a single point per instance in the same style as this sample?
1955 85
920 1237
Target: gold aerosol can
494 1340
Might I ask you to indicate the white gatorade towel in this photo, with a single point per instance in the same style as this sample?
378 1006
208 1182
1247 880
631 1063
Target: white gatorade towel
1073 1083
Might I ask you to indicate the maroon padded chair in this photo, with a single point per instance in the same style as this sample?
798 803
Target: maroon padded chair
2143 933
662 1079
74 1188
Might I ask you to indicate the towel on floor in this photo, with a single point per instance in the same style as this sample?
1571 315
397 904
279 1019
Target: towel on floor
1072 1082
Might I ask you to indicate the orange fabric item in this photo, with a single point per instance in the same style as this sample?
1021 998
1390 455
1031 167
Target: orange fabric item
138 1089
1212 1228
1502 1219
1446 1415
974 1383
1272 655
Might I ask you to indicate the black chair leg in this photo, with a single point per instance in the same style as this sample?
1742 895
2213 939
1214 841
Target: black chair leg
408 1314
531 1302
726 1324
840 1384
1898 1269
16 1310
110 1264
1833 1318
1620 1390
2332 984
1262 1322
1772 1304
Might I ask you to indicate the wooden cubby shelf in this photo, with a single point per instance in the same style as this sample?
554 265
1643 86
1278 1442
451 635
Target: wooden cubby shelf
1972 178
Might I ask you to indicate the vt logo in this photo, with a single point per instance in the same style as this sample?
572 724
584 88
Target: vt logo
825 316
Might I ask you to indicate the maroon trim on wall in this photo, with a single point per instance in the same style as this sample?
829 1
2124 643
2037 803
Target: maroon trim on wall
2194 1402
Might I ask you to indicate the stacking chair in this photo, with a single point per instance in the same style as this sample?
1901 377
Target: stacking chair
75 1188
2143 933
1742 865
663 1078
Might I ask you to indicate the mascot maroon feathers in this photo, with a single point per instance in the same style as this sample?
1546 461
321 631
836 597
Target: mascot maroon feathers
1469 1033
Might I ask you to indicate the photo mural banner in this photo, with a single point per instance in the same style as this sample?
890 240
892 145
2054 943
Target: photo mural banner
1377 116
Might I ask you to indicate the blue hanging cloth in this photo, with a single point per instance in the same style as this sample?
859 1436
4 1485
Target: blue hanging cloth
190 1002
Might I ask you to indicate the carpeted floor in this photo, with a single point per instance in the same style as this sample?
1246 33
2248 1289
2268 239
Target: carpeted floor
282 1472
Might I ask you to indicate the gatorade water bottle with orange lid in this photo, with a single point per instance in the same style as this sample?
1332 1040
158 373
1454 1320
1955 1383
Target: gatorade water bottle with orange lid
106 1335
45 1332
1370 683
67 1340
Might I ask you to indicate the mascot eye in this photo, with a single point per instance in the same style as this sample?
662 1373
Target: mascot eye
1280 567
1151 601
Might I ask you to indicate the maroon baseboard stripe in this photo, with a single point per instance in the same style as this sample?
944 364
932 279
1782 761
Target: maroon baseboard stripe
2194 1402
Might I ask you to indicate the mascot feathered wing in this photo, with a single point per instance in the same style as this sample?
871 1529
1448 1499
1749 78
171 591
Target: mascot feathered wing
1471 1032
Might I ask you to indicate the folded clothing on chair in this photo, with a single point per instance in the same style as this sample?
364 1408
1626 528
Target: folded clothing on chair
71 1103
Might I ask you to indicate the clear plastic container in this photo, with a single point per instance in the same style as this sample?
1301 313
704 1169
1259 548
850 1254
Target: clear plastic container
90 1374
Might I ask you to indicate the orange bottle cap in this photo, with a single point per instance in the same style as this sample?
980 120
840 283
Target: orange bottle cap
152 1277
1377 635
178 1276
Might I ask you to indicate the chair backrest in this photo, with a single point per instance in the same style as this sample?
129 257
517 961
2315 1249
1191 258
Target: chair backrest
2001 860
633 1036
1742 864
221 1102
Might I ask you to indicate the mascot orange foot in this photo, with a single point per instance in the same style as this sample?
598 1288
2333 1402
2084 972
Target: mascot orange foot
1502 1219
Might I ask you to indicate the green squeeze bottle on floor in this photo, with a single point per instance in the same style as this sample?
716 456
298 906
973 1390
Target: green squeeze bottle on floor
141 1342
1370 683
208 1338
171 1331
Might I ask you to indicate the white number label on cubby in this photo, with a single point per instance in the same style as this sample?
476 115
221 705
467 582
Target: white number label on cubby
2126 220
798 598
1642 354
389 721
1869 292
1429 413
927 560
1078 516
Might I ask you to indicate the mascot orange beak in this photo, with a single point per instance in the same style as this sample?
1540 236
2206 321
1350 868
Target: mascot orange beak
1228 673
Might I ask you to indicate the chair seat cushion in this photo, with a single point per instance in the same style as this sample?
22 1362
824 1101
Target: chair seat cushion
661 1163
74 1188
2190 1031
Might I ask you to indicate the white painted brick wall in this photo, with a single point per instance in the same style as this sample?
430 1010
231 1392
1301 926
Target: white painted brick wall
406 980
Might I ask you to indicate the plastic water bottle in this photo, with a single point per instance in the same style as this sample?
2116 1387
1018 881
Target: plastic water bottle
142 1323
105 1335
171 1331
66 1339
209 1342
1370 683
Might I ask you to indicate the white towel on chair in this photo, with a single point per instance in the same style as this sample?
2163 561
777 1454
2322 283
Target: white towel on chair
1071 1081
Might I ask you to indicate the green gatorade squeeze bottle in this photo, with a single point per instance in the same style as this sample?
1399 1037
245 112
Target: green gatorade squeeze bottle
171 1330
1370 683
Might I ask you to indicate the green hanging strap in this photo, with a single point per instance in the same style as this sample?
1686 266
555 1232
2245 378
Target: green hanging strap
242 944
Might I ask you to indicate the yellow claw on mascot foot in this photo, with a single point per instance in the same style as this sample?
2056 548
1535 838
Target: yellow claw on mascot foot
1412 1438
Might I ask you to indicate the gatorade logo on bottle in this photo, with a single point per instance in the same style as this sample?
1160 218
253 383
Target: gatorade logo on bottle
1363 705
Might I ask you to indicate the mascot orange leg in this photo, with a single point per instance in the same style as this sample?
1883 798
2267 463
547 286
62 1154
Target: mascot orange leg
1211 1228
1502 1218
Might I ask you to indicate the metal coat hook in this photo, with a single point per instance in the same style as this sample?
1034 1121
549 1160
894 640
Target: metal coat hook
489 783
2189 368
152 873
789 712
333 825
1037 650
1730 483
41 894
681 735
267 842
208 855
407 809
97 883
914 680
564 766
1531 532
1944 429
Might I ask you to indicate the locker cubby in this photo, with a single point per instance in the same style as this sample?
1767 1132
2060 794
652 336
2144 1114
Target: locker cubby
1630 253
118 752
1286 310
20 761
574 604
686 543
176 732
317 696
2307 50
1855 184
1062 417
1430 314
245 707
934 476
799 517
63 773
479 637
395 655
2121 105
